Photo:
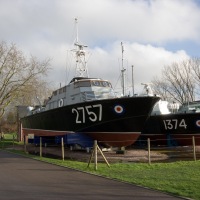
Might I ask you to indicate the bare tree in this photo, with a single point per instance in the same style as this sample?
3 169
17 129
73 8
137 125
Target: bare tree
17 73
34 93
160 87
178 81
195 64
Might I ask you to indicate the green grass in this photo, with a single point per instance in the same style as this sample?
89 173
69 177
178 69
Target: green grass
8 140
178 178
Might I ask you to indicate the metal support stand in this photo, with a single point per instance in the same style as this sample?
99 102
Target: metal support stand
94 152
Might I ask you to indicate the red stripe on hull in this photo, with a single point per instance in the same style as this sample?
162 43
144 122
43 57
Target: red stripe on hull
177 139
184 140
40 132
115 139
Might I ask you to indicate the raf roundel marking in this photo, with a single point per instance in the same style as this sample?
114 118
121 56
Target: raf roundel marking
118 109
198 123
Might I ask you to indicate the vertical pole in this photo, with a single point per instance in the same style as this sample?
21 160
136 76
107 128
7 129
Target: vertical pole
45 148
76 22
20 137
35 148
13 141
123 72
194 148
95 154
40 146
63 149
24 143
133 81
3 143
149 155
91 157
103 156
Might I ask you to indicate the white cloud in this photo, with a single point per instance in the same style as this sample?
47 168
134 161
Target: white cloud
148 62
138 21
156 21
46 29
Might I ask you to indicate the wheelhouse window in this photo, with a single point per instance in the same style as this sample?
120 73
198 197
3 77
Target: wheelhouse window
96 83
101 83
105 84
60 91
65 89
82 84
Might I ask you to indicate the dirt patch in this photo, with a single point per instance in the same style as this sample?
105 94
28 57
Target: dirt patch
157 154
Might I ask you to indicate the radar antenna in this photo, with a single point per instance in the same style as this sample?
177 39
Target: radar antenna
148 88
81 63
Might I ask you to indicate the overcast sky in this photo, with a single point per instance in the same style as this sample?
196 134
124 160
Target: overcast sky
155 33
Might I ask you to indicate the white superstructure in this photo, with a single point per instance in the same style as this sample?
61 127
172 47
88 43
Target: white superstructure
80 90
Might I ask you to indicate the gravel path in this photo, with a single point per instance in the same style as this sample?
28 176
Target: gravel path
158 154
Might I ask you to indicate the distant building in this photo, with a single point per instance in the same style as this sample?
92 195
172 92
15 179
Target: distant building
22 111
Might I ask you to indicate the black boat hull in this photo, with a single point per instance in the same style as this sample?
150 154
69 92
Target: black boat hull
114 122
173 129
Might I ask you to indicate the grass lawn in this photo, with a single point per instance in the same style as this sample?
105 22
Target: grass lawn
178 178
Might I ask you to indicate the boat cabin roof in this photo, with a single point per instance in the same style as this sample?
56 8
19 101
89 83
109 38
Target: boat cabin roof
84 82
81 79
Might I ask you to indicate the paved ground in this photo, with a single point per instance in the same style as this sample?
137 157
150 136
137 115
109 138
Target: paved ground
25 178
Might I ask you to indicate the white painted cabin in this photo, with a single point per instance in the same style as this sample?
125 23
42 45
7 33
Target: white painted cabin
80 90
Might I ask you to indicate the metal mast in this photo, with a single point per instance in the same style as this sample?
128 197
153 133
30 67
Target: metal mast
81 63
133 81
123 71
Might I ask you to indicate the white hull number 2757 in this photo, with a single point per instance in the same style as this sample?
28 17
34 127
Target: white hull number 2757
170 124
91 112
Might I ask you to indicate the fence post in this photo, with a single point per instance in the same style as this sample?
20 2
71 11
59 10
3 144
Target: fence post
91 157
24 143
2 143
194 148
149 155
40 146
13 141
63 149
45 148
95 154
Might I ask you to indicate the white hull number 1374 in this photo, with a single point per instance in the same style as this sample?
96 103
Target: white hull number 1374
174 124
91 112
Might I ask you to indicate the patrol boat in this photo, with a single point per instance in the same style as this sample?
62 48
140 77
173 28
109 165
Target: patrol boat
173 125
89 106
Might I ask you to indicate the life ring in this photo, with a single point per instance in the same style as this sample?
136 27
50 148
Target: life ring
60 103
